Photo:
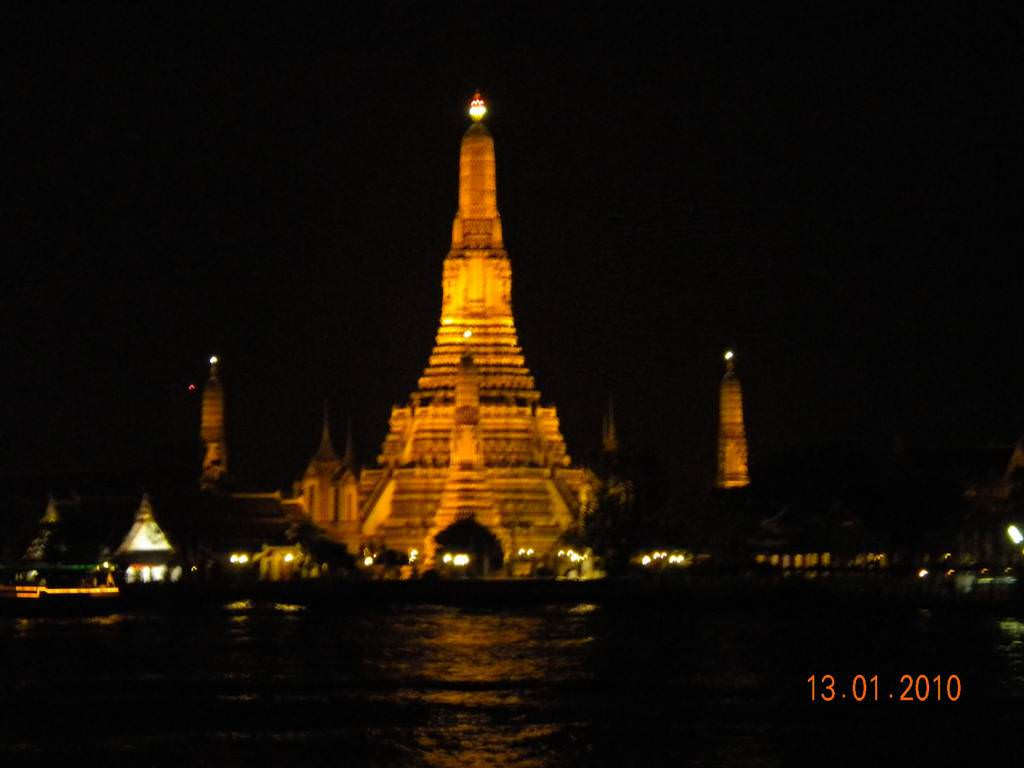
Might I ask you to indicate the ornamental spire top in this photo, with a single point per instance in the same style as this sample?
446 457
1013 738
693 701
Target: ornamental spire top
477 223
477 107
325 452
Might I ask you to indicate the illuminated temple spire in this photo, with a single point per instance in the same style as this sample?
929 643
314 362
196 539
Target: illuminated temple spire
474 441
211 430
732 438
477 223
609 435
476 302
325 453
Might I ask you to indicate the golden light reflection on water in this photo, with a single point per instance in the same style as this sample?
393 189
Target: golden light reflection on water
479 675
463 647
464 746
1010 646
25 627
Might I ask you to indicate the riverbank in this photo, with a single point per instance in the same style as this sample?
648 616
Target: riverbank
705 589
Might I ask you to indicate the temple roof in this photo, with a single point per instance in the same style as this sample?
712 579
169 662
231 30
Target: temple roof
79 530
236 521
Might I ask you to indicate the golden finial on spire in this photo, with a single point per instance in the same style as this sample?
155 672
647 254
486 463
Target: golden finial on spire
477 107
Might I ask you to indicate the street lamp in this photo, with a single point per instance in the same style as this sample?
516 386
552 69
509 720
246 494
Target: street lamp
1015 535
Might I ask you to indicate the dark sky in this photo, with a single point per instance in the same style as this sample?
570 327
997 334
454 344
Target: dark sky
834 193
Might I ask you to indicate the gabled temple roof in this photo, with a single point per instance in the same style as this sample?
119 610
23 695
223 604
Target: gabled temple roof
79 530
146 535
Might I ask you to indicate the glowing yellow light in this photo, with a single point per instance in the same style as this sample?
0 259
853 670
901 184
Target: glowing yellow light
447 557
477 107
645 560
922 573
368 561
213 360
1015 535
460 560
106 564
413 554
467 334
728 354
34 592
289 557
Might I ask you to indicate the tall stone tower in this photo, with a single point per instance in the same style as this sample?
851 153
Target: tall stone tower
732 438
474 440
211 431
609 434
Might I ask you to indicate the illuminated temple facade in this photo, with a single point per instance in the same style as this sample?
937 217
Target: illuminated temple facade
473 441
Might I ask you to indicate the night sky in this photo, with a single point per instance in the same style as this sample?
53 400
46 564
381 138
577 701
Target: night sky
834 194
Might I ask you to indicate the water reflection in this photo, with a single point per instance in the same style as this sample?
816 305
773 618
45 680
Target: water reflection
1010 646
264 683
453 646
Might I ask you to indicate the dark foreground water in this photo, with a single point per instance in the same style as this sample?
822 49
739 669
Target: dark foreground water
658 682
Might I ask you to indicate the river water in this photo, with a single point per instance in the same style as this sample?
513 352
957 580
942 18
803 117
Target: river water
650 683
